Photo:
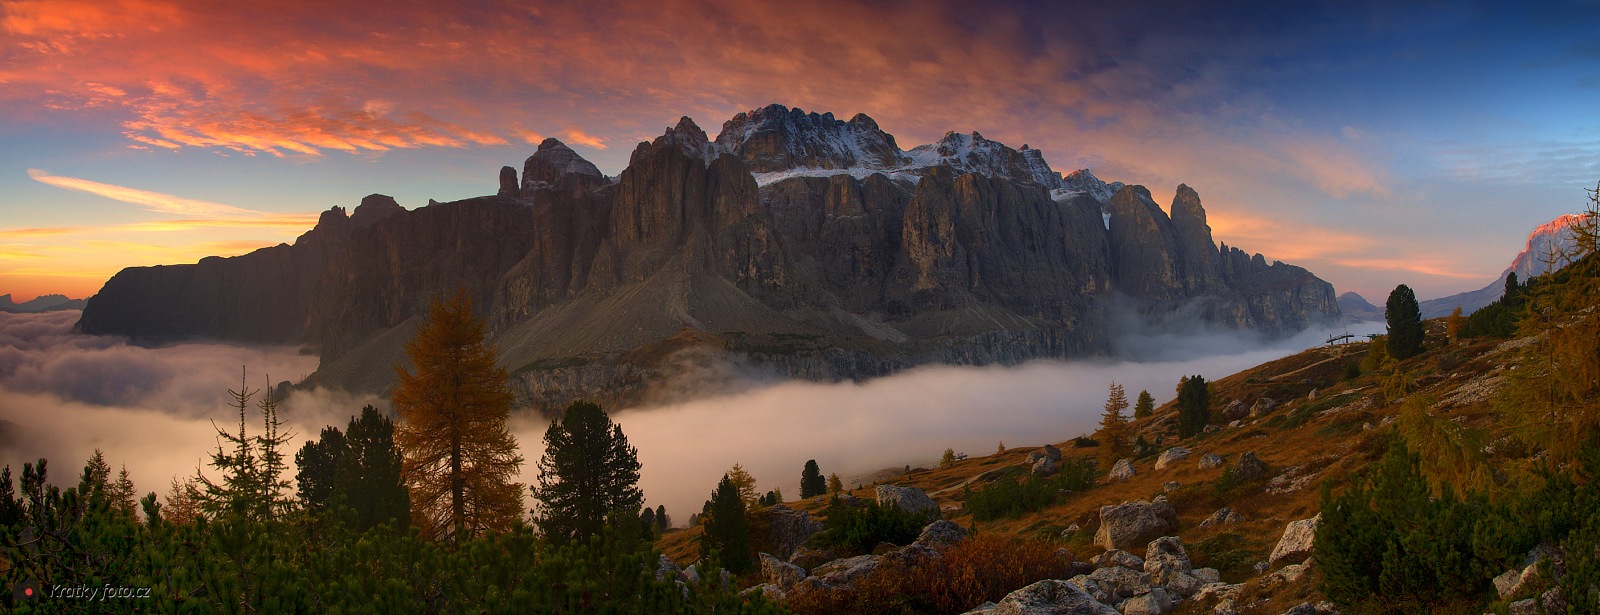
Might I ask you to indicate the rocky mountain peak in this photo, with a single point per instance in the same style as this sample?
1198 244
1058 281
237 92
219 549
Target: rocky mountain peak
1186 207
691 139
375 207
776 138
1082 181
972 153
555 165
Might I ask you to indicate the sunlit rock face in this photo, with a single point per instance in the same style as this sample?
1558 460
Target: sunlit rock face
805 245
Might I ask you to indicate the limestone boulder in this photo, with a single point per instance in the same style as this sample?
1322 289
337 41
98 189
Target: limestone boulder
1047 597
909 499
779 573
940 533
1297 541
1131 524
1123 470
1171 455
1157 602
1248 467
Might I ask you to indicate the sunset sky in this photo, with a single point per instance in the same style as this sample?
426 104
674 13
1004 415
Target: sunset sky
1373 143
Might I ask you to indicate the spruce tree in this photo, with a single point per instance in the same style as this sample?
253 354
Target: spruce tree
1145 406
1405 323
460 457
589 475
663 522
812 483
727 531
835 485
252 483
1194 406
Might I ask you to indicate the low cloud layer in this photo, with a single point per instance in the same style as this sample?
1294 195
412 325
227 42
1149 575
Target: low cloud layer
855 428
64 395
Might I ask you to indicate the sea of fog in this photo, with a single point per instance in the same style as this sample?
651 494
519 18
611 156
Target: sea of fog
153 409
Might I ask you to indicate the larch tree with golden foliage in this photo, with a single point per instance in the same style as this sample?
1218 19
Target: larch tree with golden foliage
459 455
1115 443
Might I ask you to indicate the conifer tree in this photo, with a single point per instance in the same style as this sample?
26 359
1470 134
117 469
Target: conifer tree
1405 323
835 485
663 521
252 482
1145 406
182 504
948 459
359 469
727 531
121 495
812 484
1115 441
1194 406
589 475
745 483
460 457
1452 324
318 462
1002 449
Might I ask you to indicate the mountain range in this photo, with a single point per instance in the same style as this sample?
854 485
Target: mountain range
41 303
812 246
1536 258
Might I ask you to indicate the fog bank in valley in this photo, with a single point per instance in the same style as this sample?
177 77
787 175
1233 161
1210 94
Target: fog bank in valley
64 395
855 428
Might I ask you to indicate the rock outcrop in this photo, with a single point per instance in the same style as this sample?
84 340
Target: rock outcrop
805 245
1171 455
1134 523
1047 597
1297 541
910 499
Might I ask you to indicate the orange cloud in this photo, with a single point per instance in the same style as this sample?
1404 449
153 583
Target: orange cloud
578 136
151 201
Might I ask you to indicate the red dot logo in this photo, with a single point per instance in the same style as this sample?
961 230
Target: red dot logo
28 591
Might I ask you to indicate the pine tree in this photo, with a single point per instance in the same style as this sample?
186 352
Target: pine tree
1115 441
1194 406
835 485
948 459
318 462
1002 449
589 474
1405 323
1452 324
369 475
359 469
647 521
460 457
727 531
663 522
812 484
252 480
1145 406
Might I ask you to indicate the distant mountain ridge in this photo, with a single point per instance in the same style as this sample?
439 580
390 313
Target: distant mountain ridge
1533 260
811 246
41 303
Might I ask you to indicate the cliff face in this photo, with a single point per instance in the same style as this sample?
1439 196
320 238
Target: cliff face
597 286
